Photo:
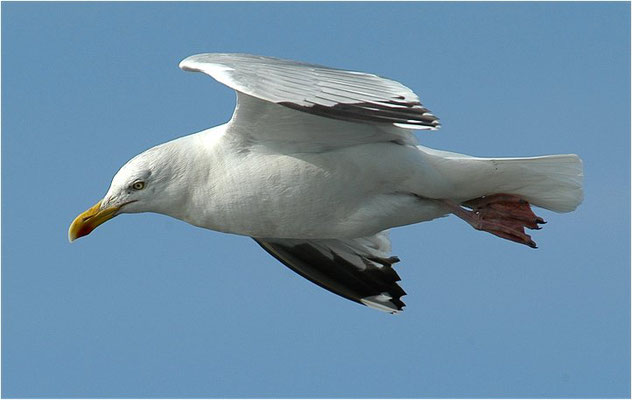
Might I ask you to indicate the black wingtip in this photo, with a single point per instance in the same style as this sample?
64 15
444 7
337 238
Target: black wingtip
372 283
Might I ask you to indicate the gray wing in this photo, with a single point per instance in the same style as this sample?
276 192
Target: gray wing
315 89
358 269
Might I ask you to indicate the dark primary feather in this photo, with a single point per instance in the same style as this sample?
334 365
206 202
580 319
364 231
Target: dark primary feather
346 269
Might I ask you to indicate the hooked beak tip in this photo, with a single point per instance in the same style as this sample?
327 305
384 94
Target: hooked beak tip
87 221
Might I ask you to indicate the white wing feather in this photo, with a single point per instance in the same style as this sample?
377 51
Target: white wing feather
313 107
316 89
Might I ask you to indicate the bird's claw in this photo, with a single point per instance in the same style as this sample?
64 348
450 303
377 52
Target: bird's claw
503 215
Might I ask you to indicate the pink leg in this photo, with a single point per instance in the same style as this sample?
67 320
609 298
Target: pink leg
503 215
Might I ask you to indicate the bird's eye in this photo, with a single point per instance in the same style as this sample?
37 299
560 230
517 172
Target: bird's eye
139 185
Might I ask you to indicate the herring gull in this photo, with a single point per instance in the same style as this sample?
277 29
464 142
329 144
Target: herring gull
317 163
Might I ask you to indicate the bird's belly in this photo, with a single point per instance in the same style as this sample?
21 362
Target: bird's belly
299 202
333 195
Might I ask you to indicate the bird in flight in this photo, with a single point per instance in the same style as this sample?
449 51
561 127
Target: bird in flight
317 163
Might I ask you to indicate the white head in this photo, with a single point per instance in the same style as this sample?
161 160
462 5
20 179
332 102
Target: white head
151 181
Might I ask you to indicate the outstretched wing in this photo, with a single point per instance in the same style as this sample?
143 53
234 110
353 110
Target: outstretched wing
358 269
284 100
329 92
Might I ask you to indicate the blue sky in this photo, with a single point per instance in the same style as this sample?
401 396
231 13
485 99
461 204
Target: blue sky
152 307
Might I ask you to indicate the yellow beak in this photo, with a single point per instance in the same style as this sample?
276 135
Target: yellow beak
87 221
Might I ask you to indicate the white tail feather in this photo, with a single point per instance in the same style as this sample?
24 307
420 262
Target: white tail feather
553 182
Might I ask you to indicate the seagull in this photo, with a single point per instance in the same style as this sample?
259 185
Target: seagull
317 163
